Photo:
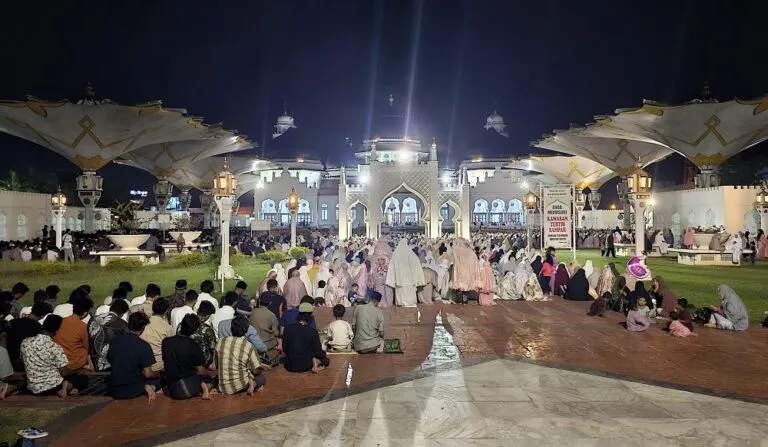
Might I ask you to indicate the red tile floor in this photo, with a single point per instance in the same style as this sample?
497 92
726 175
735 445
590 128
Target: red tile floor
556 333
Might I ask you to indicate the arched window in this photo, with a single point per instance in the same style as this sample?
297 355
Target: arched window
392 211
304 213
693 218
497 211
480 211
268 210
337 211
324 212
3 226
515 212
285 213
445 212
709 218
410 211
21 228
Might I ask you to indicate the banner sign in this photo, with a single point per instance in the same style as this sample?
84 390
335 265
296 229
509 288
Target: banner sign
260 225
556 203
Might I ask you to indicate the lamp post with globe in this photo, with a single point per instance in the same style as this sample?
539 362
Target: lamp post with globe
531 203
293 207
224 185
59 207
639 192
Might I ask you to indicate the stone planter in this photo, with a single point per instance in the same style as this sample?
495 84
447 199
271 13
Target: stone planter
189 236
701 240
128 242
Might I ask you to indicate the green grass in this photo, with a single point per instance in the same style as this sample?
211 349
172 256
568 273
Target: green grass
103 280
698 284
13 419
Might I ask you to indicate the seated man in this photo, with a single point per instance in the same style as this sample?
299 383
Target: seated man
290 316
131 359
45 361
339 332
238 362
368 323
23 328
267 326
225 329
103 329
157 330
301 344
73 338
186 374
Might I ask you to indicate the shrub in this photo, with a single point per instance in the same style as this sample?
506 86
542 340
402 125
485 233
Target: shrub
273 256
299 252
124 264
236 259
190 259
52 268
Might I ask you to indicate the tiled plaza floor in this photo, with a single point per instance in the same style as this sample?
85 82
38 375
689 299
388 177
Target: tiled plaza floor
505 403
555 333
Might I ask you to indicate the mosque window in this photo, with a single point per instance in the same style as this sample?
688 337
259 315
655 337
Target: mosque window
3 223
324 212
21 227
337 211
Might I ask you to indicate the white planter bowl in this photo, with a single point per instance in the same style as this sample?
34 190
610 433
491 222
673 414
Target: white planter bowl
128 242
701 240
189 236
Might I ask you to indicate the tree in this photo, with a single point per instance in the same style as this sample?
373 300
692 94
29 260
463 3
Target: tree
14 182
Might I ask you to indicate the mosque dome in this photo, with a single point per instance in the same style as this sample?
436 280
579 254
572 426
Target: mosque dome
394 120
285 119
494 120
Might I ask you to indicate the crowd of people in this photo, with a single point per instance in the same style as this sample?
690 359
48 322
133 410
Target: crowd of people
190 343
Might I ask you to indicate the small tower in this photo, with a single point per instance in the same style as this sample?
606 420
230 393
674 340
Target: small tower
373 157
433 150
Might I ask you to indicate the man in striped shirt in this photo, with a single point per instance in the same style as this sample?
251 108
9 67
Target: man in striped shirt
238 362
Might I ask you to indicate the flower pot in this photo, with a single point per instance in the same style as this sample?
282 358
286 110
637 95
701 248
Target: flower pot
128 242
189 236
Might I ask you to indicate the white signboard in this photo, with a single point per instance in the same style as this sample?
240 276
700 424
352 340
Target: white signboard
260 225
557 216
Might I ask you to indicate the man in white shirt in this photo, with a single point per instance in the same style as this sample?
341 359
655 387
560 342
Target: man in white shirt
66 244
206 287
177 314
226 312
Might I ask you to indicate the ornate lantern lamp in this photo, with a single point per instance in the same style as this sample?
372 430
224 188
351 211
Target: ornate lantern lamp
293 206
59 207
224 183
531 202
639 190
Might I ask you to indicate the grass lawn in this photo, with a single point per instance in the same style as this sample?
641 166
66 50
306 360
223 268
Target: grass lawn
13 419
103 281
698 284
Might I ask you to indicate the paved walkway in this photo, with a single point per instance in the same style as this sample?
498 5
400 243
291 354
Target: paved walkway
555 333
504 403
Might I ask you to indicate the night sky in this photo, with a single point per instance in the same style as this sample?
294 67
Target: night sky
541 64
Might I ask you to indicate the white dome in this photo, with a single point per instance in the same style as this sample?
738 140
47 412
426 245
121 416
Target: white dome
495 119
285 120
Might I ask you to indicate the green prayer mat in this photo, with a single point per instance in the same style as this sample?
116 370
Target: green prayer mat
392 346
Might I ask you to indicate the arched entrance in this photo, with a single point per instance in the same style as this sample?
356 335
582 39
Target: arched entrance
480 212
403 211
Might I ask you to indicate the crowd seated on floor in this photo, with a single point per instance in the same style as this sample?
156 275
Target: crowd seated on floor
191 344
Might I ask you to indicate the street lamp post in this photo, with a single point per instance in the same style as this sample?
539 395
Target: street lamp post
761 204
293 206
639 191
59 207
531 202
224 185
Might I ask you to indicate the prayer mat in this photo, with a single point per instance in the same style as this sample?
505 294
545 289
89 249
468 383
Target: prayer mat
392 346
329 352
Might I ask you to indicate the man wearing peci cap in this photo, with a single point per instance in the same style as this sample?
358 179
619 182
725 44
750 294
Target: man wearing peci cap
368 324
301 344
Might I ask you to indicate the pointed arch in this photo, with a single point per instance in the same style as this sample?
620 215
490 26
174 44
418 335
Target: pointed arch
413 191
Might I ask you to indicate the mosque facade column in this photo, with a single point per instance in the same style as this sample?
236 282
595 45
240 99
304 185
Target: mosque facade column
434 193
465 205
374 196
343 223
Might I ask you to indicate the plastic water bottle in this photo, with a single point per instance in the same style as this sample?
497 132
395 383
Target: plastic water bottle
349 374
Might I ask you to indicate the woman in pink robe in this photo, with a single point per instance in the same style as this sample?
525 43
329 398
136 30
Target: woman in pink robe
294 290
688 238
377 278
487 283
336 289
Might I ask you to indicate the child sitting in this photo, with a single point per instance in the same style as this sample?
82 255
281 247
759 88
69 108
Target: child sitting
684 314
636 321
339 332
643 309
320 294
353 295
676 327
599 306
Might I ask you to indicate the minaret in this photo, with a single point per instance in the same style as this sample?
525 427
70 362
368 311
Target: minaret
373 158
433 151
343 224
465 206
